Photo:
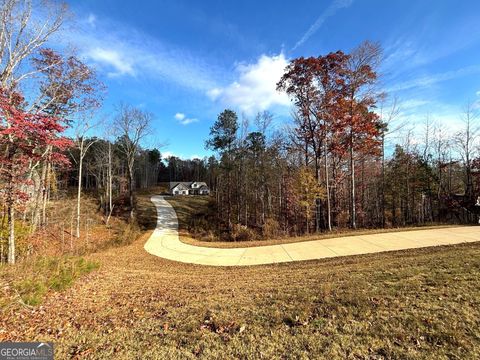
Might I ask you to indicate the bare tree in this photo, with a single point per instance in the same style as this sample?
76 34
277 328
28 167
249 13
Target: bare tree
25 26
388 115
133 125
361 95
465 141
83 143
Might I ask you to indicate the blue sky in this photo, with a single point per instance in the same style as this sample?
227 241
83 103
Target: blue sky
185 61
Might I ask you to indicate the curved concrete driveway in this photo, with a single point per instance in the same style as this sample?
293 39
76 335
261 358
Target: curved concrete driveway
165 243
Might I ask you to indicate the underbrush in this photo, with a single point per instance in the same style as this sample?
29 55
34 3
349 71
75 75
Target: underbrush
123 235
22 235
28 282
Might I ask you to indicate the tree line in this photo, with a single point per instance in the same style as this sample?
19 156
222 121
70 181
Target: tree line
335 168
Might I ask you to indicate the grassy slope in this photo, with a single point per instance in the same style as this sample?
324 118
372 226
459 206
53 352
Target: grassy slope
55 263
415 304
188 206
421 303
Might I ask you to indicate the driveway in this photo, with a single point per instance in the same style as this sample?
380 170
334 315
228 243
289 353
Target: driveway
165 243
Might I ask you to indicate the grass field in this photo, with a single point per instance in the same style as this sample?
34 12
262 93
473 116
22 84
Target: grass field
415 304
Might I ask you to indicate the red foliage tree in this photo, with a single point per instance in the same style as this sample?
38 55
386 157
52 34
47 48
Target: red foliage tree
317 86
359 125
22 138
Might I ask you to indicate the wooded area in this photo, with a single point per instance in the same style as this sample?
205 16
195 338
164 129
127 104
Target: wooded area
344 161
347 160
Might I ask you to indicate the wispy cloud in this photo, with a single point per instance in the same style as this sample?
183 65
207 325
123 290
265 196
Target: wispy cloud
442 116
426 81
113 59
328 12
184 120
425 40
255 87
124 51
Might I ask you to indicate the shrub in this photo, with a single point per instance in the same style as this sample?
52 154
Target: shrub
126 235
271 229
242 233
22 232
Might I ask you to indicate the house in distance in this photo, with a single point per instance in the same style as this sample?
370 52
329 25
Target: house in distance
189 188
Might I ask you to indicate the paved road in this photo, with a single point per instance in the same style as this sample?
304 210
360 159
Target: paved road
165 243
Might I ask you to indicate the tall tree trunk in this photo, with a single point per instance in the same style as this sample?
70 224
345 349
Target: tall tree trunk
318 209
39 198
11 232
327 186
353 214
130 190
79 191
382 204
110 204
46 193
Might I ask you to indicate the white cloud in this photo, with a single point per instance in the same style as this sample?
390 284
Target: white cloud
255 88
214 93
328 12
167 154
419 45
442 116
188 121
184 120
412 104
113 58
476 104
179 116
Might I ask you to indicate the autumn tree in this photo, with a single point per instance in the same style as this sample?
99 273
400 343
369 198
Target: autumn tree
133 126
68 88
308 191
360 125
22 137
316 85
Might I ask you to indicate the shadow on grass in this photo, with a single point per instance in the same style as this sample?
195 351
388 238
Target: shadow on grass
146 212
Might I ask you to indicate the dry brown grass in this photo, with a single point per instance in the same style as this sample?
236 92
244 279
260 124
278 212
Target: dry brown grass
58 236
413 304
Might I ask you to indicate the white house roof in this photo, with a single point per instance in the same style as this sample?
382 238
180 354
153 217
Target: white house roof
200 184
179 186
187 185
